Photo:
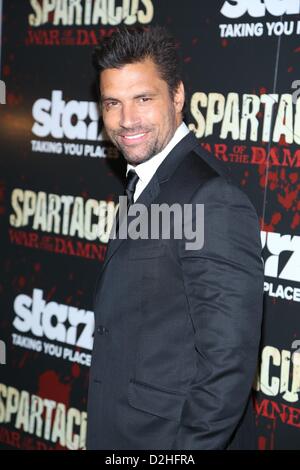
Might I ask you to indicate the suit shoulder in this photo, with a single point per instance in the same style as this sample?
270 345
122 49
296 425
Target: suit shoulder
209 162
226 191
192 173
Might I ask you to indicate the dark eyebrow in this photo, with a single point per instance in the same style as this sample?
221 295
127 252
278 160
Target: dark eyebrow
107 98
140 95
146 93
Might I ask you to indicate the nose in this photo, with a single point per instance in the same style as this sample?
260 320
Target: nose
129 118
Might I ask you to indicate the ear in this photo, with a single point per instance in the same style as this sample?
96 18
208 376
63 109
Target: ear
179 97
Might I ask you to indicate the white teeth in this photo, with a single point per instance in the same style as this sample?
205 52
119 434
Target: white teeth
131 137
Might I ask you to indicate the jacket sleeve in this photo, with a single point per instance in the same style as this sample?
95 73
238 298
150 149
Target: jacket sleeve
223 283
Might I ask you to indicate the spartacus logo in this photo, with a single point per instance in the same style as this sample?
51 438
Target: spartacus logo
88 12
258 8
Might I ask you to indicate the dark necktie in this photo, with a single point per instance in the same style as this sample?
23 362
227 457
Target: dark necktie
131 181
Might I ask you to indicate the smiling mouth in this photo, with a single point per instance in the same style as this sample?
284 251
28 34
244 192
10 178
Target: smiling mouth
133 137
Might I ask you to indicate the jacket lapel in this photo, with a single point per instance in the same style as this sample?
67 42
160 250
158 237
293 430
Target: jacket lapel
149 194
152 190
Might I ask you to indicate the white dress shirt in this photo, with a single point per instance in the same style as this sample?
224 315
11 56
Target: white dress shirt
146 170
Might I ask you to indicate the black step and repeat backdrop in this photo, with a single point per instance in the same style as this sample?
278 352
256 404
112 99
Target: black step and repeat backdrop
60 178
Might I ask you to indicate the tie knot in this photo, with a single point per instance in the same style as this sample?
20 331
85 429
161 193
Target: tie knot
131 181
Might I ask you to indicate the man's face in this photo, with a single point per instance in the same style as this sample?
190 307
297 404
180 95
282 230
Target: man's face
139 115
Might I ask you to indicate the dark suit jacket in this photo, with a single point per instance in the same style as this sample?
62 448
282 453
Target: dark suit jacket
177 332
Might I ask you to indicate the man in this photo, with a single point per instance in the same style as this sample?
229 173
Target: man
177 330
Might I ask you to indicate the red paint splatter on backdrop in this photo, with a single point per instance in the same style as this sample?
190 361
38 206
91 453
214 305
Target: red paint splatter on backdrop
51 387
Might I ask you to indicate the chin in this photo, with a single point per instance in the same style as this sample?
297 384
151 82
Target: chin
135 159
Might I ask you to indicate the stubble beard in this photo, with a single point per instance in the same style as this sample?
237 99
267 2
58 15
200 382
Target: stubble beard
152 149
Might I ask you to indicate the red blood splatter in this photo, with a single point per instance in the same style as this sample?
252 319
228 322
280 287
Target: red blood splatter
6 70
275 219
288 199
24 358
262 181
282 140
51 293
51 387
273 180
22 281
12 99
75 370
293 177
295 221
262 443
37 267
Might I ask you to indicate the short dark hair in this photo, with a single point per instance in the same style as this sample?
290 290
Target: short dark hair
129 45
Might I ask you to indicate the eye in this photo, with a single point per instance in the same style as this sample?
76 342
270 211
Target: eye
110 104
144 99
